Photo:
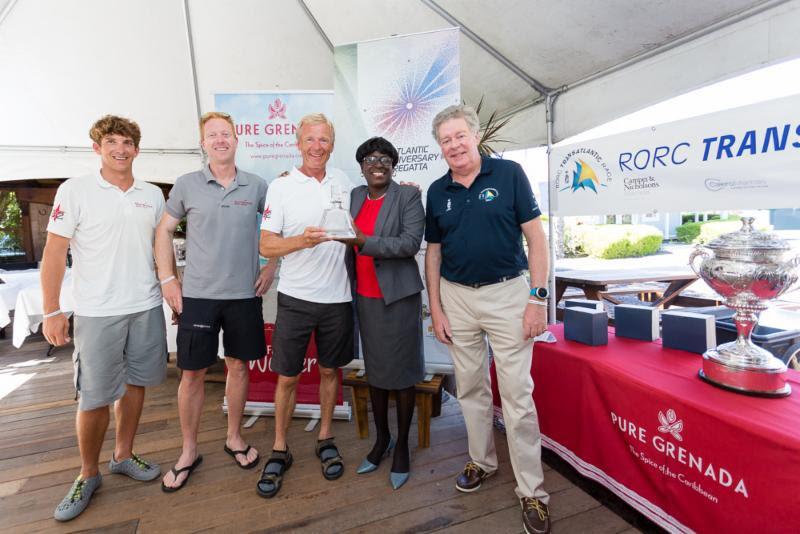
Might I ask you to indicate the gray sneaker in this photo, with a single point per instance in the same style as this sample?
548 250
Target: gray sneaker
78 498
135 467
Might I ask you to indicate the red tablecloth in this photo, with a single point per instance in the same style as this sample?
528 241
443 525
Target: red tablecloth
635 417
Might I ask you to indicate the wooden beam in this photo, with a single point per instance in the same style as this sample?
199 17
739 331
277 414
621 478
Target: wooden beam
27 235
40 195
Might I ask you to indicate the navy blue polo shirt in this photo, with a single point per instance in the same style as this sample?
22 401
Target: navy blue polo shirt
479 228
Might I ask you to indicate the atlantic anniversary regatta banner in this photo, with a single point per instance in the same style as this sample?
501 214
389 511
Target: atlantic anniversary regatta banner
393 88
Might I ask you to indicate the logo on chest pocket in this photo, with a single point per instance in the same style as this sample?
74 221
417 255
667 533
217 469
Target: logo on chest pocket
488 195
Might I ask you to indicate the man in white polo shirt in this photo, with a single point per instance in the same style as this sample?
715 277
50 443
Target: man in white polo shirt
313 293
109 220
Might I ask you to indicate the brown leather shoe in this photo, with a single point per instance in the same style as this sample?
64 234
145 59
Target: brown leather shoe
535 516
471 478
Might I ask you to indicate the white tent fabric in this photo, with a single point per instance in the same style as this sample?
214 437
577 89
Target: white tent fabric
64 63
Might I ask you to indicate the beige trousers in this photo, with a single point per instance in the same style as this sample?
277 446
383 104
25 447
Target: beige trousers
496 310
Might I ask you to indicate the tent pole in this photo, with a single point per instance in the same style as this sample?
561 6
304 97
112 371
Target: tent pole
7 10
315 22
551 197
192 60
488 48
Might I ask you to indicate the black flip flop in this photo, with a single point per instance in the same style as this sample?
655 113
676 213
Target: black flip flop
244 453
278 463
330 457
175 472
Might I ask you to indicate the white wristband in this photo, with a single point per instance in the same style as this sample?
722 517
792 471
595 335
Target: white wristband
51 314
167 279
537 302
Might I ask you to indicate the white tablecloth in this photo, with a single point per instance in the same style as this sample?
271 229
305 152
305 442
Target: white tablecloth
24 277
13 283
28 314
7 292
28 311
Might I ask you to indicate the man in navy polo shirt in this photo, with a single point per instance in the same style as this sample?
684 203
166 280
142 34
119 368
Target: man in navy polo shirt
476 216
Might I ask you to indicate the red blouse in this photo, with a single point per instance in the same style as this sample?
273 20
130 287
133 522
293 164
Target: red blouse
366 278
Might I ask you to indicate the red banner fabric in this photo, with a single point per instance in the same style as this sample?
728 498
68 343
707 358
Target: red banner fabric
263 381
635 417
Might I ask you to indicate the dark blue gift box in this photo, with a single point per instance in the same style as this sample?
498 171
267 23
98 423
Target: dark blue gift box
586 326
583 303
692 332
637 322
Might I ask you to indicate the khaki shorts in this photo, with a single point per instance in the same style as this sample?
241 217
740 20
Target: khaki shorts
111 352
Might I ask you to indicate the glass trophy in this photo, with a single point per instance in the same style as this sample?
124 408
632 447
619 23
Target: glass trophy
336 221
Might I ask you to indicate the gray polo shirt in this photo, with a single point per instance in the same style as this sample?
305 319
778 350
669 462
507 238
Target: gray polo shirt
222 233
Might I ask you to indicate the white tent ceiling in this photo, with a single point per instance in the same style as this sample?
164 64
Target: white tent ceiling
63 63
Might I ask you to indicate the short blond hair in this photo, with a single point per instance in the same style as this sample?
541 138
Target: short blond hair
315 118
114 125
216 115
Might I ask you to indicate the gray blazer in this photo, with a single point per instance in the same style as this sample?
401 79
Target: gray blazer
396 240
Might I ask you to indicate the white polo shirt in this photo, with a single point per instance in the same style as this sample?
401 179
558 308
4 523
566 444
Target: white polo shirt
294 202
111 235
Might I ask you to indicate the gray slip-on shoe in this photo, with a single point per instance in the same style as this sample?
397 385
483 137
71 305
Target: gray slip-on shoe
78 498
135 467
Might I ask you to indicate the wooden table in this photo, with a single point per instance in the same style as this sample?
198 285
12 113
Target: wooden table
595 284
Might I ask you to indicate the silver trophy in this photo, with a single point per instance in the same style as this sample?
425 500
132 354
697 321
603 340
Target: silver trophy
336 221
748 269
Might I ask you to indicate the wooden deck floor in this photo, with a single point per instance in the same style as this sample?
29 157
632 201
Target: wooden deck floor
39 460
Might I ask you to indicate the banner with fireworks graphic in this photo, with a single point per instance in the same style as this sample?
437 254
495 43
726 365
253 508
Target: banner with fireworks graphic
266 123
393 88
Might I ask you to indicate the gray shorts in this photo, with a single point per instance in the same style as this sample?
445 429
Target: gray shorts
111 352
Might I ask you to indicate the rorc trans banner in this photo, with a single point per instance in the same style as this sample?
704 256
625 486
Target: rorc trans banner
743 158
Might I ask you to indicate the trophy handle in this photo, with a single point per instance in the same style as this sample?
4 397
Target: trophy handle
697 252
789 267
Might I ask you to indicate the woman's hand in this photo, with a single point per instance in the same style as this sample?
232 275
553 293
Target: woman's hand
357 241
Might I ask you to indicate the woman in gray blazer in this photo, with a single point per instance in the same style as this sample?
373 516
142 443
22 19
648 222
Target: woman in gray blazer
389 223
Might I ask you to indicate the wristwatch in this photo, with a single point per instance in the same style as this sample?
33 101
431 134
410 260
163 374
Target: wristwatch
541 293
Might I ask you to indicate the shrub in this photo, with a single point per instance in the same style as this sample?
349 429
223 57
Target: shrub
712 230
610 241
10 222
688 232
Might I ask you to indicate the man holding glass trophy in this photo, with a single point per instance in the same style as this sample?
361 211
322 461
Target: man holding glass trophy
305 211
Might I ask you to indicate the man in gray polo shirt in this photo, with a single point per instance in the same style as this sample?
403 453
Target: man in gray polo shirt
221 288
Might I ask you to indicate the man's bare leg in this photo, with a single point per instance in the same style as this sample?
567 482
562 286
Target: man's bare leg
285 396
127 412
191 396
328 387
236 395
91 426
